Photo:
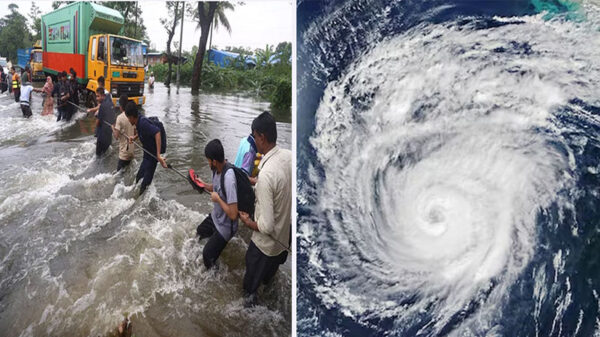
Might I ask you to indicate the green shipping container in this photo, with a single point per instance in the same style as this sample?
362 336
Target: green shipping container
66 32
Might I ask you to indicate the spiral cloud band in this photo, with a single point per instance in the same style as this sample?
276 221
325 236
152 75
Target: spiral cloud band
440 147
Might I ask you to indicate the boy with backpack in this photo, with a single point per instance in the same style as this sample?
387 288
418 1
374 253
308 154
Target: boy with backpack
153 138
227 180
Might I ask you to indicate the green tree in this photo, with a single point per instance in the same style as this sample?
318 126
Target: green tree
56 4
284 52
36 21
132 13
170 23
12 34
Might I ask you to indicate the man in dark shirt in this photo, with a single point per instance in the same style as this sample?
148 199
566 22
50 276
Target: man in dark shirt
74 94
106 114
3 85
149 135
63 92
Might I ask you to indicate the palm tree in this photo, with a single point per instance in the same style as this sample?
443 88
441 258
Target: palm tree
204 14
220 19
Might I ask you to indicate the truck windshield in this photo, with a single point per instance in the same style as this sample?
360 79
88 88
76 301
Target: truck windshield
124 52
37 57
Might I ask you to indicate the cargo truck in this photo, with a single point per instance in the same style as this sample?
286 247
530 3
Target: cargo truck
37 66
85 36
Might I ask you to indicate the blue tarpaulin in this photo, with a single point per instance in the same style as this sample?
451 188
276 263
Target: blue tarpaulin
23 57
223 58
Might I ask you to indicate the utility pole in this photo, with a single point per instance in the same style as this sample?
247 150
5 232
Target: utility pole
180 43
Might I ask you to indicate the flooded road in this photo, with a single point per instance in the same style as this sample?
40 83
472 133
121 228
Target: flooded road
79 249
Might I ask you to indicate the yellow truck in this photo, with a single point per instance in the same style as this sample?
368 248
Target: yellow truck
36 64
86 37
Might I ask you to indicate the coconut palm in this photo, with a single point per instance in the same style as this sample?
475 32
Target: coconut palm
204 13
220 19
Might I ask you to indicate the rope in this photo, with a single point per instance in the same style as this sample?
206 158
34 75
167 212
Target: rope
181 174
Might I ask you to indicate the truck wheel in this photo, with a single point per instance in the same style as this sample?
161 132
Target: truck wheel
90 101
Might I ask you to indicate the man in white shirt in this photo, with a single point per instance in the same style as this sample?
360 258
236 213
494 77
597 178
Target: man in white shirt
125 133
271 238
25 99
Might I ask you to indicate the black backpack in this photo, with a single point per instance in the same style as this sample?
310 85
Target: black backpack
245 192
163 134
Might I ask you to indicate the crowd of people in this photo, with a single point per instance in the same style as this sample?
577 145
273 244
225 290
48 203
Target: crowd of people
271 221
260 163
66 90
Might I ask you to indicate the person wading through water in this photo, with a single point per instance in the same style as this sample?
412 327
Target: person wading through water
25 99
15 84
125 133
149 135
221 225
63 92
106 114
48 100
272 227
3 85
95 109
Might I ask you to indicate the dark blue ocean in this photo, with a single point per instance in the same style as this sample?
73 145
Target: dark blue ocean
448 168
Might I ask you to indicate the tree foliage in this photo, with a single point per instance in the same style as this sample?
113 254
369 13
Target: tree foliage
220 19
132 12
272 83
56 4
36 22
12 34
284 52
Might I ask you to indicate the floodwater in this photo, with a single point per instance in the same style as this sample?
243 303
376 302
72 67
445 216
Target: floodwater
79 248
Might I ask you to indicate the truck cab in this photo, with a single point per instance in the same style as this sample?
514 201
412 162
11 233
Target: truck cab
121 61
37 66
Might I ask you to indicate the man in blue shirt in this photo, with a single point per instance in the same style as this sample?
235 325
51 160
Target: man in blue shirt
222 222
149 135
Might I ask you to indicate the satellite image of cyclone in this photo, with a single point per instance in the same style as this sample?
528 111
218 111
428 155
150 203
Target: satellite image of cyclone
448 168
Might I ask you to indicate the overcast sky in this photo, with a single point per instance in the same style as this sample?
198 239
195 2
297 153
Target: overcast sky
253 25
